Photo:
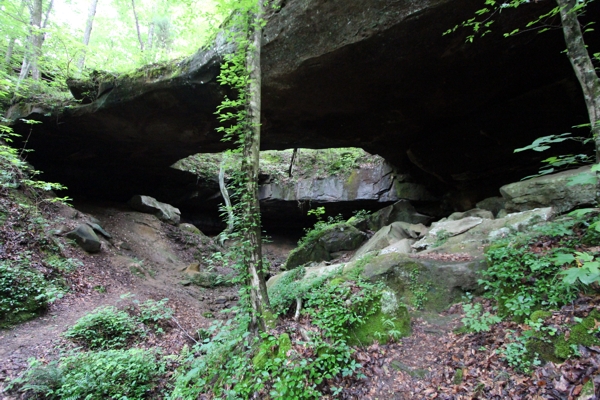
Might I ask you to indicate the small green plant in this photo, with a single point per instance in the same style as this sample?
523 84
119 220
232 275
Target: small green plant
116 374
104 328
515 353
154 314
418 289
441 237
475 320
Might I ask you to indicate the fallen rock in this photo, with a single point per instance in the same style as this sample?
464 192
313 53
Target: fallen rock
150 205
442 230
334 238
550 191
401 211
86 238
492 204
97 228
475 212
390 234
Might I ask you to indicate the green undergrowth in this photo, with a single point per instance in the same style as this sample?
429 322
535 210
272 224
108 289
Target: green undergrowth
528 280
295 361
111 328
103 367
109 374
523 275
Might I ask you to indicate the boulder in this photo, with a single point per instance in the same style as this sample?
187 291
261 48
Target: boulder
442 230
163 211
86 238
390 234
550 191
492 204
401 211
334 238
428 284
475 212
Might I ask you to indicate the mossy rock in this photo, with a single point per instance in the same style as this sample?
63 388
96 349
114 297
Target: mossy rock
267 351
558 349
338 237
375 327
424 284
540 315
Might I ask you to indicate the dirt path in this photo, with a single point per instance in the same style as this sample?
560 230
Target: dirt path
144 260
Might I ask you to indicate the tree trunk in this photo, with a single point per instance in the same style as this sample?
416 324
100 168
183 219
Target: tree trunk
87 33
250 163
225 194
11 42
137 25
39 38
582 65
34 42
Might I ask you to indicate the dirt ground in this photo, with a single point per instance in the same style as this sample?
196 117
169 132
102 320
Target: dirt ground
144 259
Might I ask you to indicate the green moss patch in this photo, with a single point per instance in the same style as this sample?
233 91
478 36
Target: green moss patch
381 327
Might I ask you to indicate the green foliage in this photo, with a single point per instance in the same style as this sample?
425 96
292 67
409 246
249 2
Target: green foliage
312 234
154 313
419 289
23 292
523 281
115 374
516 354
475 320
278 370
104 328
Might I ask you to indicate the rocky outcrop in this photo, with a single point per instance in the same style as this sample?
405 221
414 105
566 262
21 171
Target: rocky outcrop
550 191
163 211
86 238
335 73
321 245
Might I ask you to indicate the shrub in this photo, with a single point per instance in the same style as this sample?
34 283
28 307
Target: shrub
22 293
104 328
117 374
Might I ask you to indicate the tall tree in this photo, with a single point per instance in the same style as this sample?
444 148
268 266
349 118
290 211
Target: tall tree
242 72
88 32
35 40
582 65
137 26
250 167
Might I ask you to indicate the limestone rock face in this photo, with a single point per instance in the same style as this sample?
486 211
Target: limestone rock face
163 211
401 211
549 191
336 73
86 238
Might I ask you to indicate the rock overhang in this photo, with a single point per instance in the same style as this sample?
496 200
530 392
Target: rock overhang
335 73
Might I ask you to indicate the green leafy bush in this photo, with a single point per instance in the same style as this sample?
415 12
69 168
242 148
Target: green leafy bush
523 281
104 328
475 320
23 292
277 369
112 374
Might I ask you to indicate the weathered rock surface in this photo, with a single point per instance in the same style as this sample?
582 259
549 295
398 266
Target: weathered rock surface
401 211
335 73
86 238
335 238
163 211
550 191
391 234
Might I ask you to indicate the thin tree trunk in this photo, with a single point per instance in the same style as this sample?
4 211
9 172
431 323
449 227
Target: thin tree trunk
137 26
11 43
87 33
225 194
582 65
39 40
250 164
